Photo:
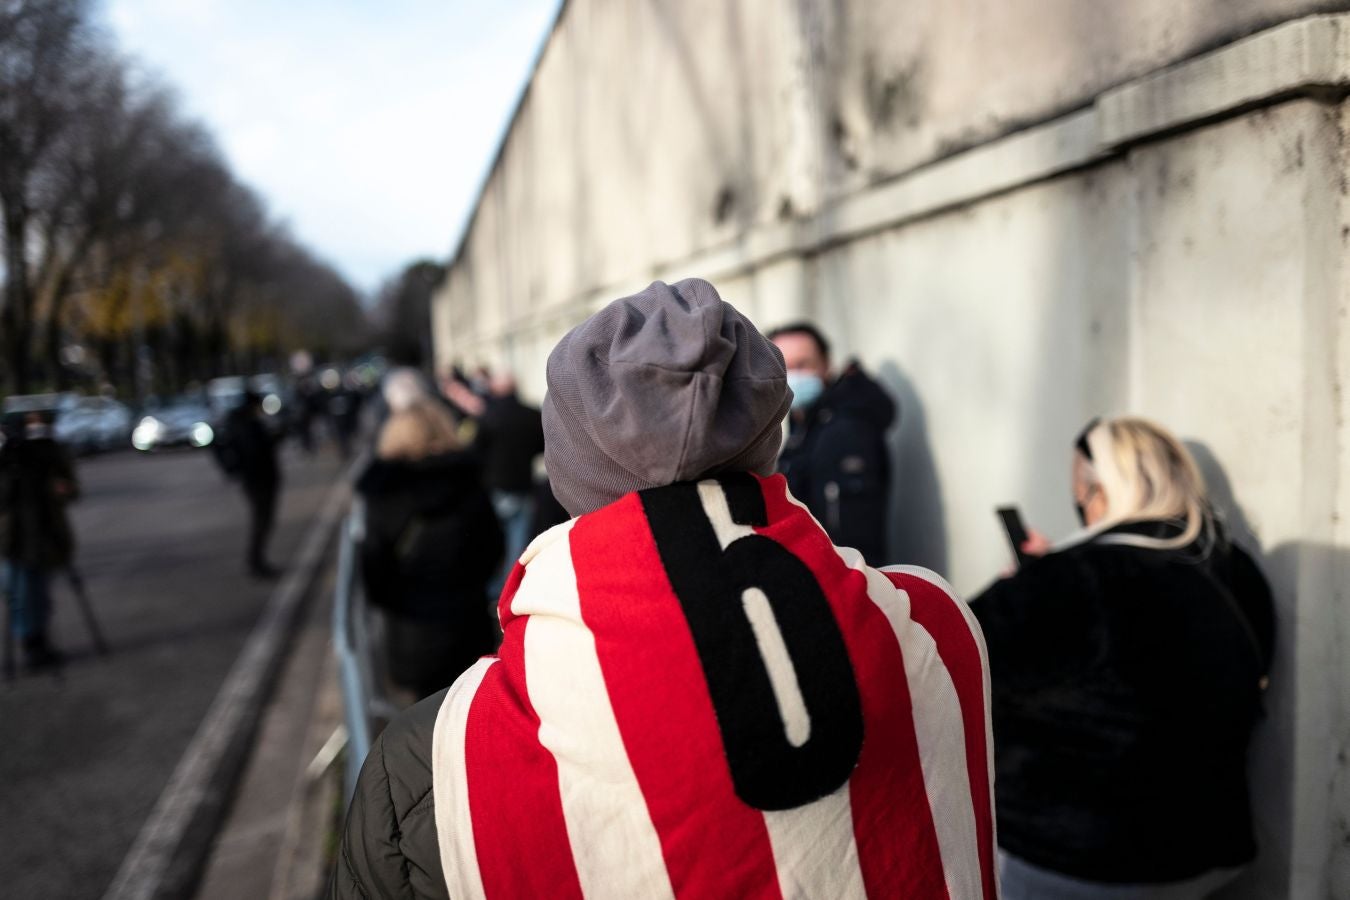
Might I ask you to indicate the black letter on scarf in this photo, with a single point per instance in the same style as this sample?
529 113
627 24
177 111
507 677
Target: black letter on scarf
768 772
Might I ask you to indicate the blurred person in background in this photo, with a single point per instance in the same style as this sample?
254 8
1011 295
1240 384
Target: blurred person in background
1128 664
344 412
306 400
689 668
401 388
835 456
508 438
37 480
431 544
248 452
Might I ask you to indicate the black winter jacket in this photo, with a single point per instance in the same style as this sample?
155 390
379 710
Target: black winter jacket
1126 683
510 436
836 462
432 540
254 449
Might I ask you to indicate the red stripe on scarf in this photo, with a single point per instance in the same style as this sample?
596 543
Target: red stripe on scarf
933 609
892 819
518 825
714 845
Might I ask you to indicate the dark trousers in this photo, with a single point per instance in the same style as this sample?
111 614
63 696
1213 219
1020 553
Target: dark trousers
262 507
29 602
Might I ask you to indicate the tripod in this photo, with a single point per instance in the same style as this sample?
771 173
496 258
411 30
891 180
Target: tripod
76 581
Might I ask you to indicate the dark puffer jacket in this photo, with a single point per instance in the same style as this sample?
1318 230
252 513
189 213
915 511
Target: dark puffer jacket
1126 683
390 847
836 462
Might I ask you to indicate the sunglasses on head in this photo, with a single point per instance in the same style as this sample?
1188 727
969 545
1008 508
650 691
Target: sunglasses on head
1081 443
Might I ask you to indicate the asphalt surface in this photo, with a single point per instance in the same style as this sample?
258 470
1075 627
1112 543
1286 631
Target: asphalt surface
84 756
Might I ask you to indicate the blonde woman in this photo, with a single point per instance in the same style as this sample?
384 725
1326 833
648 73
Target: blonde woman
432 542
1127 666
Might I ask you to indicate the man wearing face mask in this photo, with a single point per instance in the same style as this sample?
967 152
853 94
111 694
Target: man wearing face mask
835 457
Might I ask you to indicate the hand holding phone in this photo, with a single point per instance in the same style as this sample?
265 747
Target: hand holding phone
1017 532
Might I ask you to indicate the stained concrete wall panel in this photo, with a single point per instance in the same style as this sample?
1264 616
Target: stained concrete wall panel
981 322
1223 244
1230 262
656 129
913 80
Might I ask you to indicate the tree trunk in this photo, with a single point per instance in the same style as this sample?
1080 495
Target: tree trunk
60 293
18 310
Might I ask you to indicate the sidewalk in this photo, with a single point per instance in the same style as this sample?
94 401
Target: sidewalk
282 823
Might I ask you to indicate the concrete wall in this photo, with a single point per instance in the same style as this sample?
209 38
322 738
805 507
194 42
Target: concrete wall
1018 215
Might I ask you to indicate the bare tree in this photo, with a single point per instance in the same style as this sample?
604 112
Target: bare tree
42 45
403 312
124 227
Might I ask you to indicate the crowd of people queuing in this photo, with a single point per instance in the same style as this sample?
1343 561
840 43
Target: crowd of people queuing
710 680
657 637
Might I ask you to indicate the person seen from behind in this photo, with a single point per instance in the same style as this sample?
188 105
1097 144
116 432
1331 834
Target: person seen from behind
835 456
698 694
1128 666
249 454
37 481
431 544
508 437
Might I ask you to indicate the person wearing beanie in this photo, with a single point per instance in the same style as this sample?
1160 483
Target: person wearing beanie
697 693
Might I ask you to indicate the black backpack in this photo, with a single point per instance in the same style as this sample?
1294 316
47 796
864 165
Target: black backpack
226 450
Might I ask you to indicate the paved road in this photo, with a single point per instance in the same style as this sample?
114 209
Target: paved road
83 758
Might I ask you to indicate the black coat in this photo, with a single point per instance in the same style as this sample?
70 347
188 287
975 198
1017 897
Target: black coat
510 436
432 540
37 480
1126 683
254 449
836 462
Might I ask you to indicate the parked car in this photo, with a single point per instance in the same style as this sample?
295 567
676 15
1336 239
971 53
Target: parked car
224 394
93 423
177 424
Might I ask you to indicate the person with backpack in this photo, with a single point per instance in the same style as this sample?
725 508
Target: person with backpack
247 452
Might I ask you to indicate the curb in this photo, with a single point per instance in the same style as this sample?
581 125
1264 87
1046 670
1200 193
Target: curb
167 855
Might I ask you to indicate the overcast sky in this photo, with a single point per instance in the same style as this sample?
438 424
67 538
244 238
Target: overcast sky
367 125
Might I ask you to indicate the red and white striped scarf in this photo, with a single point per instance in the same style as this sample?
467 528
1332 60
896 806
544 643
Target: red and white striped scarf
698 695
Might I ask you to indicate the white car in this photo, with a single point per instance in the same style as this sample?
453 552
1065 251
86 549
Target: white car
93 423
179 424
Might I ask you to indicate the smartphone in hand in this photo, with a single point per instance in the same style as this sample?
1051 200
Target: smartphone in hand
1017 532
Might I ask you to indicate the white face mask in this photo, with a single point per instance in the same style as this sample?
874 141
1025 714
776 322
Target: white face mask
806 388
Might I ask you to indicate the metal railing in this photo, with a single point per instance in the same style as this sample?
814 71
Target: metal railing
362 700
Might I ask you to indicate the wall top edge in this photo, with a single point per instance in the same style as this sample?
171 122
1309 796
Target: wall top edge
1288 60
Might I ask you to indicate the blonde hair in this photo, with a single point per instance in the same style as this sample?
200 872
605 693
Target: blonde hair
423 428
1145 473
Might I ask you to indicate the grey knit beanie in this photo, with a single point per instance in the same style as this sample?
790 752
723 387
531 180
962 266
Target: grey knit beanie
672 384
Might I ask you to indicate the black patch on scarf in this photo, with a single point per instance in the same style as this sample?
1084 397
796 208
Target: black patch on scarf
767 771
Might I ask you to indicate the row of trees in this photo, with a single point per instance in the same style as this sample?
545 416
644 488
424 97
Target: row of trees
129 245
